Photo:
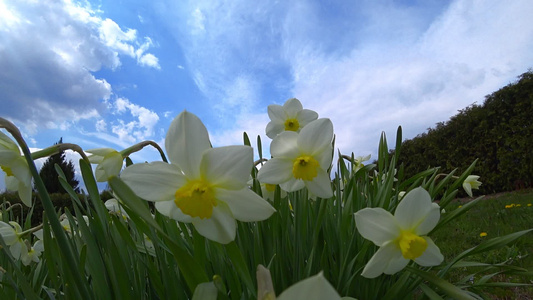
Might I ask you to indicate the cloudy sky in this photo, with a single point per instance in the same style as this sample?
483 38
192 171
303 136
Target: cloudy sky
112 73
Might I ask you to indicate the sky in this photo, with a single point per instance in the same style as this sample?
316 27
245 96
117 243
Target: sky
112 73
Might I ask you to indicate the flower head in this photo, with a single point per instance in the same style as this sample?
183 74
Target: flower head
109 162
359 162
401 237
483 234
301 159
204 186
18 176
33 253
289 117
471 182
12 235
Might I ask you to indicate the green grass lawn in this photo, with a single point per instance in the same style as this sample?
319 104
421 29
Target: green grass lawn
495 216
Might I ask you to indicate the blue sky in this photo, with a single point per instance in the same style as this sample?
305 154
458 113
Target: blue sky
113 73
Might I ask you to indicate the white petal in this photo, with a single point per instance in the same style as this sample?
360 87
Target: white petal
468 188
292 107
101 151
25 193
430 257
414 208
109 166
275 171
7 144
156 181
20 169
245 205
186 140
306 116
313 288
276 113
221 227
227 167
17 249
274 128
316 136
431 220
381 260
7 156
325 157
320 185
285 145
377 225
396 263
292 185
12 183
169 209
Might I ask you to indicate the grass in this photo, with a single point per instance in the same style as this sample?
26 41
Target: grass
496 215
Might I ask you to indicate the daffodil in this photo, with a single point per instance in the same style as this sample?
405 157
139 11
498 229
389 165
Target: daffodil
358 162
289 117
301 159
204 186
109 162
33 254
313 288
18 176
401 237
114 207
12 235
471 182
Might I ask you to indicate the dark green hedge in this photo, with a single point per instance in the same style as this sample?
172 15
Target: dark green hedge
499 133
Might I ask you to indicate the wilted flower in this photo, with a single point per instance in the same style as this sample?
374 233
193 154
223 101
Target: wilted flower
109 163
471 182
204 186
401 237
18 175
289 117
301 159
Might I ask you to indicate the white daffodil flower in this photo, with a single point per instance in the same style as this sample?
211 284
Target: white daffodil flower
301 159
34 253
471 182
313 288
18 175
401 237
204 186
11 233
109 162
114 207
289 117
358 162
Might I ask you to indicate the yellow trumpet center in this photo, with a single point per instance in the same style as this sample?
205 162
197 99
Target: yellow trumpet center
305 167
196 199
292 125
7 170
412 245
270 187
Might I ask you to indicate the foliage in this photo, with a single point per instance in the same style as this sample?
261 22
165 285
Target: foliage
49 174
498 133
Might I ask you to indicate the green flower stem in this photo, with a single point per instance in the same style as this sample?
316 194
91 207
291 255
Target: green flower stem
49 209
57 149
137 147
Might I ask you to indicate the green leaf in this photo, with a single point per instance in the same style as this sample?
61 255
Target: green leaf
450 289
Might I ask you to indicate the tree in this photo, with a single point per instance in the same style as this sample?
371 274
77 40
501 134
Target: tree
50 177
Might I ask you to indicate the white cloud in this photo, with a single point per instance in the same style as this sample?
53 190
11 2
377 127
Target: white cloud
101 125
48 52
140 128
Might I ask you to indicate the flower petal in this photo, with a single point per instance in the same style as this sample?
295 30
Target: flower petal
414 208
316 136
156 181
169 209
430 257
306 116
274 128
292 185
245 205
221 227
110 165
8 144
397 263
285 145
276 113
321 185
430 221
275 171
313 288
25 193
292 107
186 140
228 167
381 260
377 225
99 153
